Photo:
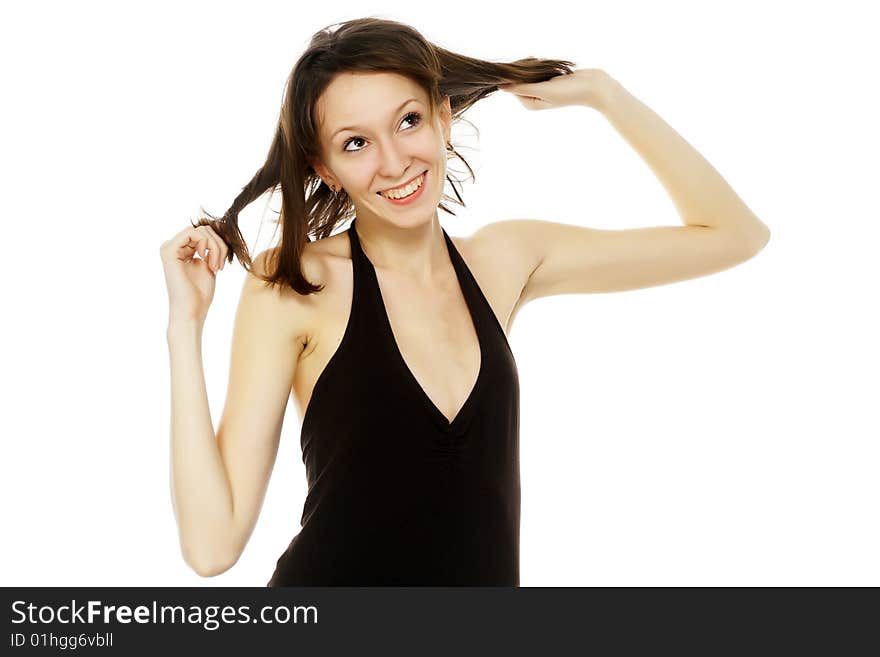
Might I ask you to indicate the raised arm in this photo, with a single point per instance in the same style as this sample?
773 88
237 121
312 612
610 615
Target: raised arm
719 229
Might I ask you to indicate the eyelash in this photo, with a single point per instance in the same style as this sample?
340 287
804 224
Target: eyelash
418 119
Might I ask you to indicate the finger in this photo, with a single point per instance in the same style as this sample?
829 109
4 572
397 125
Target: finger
532 103
217 246
206 249
185 243
516 87
212 250
180 242
200 245
221 248
186 250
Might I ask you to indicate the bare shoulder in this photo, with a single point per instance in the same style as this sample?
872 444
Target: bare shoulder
512 243
507 248
294 313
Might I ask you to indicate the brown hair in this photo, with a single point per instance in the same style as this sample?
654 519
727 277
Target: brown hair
309 207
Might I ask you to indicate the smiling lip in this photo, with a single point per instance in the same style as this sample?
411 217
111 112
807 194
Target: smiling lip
403 184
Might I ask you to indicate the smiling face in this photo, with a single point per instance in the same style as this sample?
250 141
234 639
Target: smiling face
376 134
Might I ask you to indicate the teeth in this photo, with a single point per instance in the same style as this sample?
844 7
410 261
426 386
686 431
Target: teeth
405 191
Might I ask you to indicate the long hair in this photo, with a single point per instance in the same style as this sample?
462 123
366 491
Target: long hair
310 207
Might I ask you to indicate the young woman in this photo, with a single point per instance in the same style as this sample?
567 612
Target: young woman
392 336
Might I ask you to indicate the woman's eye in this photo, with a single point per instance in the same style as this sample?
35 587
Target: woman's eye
413 117
416 118
348 141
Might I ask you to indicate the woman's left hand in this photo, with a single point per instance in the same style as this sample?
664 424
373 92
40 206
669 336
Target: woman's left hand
583 86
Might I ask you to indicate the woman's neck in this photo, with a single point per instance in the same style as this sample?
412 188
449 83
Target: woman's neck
417 252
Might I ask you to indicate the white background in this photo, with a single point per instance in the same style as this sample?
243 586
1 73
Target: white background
717 431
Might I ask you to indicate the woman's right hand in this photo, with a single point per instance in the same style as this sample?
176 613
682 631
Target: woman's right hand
190 280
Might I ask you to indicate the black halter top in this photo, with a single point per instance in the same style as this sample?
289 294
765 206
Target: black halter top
397 494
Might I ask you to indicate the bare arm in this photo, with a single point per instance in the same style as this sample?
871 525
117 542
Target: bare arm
719 230
218 482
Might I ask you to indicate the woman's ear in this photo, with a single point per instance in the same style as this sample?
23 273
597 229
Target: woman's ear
323 172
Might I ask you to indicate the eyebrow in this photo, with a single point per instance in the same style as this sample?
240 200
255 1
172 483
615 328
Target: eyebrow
402 105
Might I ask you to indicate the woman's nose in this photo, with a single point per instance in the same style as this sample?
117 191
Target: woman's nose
393 163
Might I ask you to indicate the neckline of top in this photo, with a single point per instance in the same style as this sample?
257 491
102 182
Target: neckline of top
444 423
